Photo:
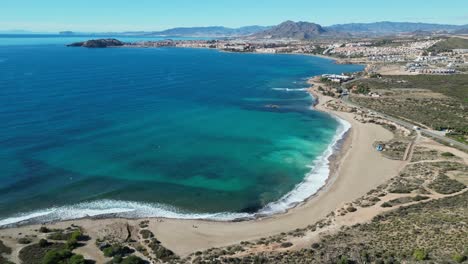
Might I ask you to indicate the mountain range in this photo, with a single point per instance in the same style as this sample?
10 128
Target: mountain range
393 27
295 30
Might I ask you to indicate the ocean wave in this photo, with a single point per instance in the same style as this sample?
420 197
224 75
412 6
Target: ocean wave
313 181
116 208
290 89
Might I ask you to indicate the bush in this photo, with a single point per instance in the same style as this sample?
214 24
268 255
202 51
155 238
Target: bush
444 185
43 243
72 243
447 154
44 229
459 258
351 209
4 249
116 250
286 244
145 234
24 240
133 260
420 254
343 260
58 236
77 259
386 204
56 256
418 198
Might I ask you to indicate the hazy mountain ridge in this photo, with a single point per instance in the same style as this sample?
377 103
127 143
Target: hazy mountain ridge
288 29
387 27
213 31
210 31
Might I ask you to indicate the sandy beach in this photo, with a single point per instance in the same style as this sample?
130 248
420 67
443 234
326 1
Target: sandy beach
355 170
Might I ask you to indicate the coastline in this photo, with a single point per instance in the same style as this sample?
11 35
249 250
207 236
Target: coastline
354 170
298 196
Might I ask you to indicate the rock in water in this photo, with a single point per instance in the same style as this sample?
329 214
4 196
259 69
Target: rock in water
98 43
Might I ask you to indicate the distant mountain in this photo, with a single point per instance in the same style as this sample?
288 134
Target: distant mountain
66 33
381 28
215 31
462 31
293 30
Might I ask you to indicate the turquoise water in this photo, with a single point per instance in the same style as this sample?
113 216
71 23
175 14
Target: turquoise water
157 132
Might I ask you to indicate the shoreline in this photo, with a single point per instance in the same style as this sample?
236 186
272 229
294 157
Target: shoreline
354 170
330 162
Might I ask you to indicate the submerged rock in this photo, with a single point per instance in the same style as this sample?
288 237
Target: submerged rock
98 43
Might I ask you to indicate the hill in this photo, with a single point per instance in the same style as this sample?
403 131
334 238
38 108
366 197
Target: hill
462 31
293 30
450 44
387 27
215 31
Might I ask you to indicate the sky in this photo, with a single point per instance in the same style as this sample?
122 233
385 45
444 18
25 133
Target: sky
134 15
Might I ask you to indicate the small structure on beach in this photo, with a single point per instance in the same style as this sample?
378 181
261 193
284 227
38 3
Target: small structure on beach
379 148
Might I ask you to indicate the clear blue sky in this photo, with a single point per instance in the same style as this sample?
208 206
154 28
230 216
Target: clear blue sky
119 15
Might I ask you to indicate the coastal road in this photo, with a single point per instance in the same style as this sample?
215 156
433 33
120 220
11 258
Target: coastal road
424 131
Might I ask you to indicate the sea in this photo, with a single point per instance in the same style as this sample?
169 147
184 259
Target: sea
157 132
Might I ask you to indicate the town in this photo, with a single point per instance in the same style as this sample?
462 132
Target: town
406 55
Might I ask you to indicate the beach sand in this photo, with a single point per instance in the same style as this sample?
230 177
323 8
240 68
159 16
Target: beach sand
355 170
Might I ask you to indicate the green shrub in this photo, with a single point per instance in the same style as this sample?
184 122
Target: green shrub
386 204
77 259
145 234
343 260
24 240
71 244
44 229
133 260
4 249
459 258
56 256
447 154
286 244
351 209
43 243
420 254
116 250
58 236
444 185
418 198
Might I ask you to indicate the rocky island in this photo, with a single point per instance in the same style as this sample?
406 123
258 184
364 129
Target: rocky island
98 43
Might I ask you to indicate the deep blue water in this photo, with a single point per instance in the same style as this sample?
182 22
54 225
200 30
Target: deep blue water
165 130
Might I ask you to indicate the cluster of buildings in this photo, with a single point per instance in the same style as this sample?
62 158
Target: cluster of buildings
410 51
388 53
337 78
263 46
434 64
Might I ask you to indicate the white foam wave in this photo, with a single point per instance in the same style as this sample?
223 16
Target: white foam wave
290 89
115 208
313 181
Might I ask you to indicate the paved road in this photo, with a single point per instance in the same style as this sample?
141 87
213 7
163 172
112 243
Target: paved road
427 132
